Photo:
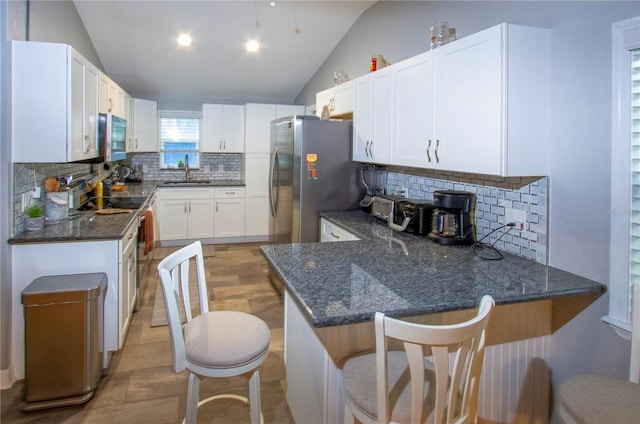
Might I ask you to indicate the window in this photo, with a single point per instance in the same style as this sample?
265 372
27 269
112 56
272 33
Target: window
625 174
179 139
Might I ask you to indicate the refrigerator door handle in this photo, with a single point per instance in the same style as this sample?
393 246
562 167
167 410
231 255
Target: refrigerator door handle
272 171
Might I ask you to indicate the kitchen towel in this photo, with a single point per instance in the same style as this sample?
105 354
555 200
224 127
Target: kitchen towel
147 231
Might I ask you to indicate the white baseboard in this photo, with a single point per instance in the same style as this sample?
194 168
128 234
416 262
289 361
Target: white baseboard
6 378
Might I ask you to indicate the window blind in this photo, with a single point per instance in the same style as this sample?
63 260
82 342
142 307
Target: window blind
634 254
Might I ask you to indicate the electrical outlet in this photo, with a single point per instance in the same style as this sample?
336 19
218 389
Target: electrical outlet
516 216
221 168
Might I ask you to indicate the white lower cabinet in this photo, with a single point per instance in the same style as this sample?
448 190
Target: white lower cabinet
229 213
331 232
186 213
314 383
116 258
128 277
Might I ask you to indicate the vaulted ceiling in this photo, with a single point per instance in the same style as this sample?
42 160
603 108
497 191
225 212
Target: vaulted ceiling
136 43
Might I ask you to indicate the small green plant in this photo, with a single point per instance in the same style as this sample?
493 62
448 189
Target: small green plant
180 163
35 211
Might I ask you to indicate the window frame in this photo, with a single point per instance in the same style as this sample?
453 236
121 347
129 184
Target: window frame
624 35
179 114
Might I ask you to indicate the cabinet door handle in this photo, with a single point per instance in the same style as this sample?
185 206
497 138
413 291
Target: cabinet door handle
86 144
437 145
189 207
216 206
185 207
335 236
224 144
371 150
110 107
136 145
429 151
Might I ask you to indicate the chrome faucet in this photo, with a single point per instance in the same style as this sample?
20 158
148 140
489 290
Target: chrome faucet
187 174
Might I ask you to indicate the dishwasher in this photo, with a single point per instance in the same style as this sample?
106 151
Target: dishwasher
64 328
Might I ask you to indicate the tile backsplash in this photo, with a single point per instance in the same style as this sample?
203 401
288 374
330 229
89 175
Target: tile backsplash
493 195
25 175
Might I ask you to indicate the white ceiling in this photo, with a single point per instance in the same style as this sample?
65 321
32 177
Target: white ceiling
136 43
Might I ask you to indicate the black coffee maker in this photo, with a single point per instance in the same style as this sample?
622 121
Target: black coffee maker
451 219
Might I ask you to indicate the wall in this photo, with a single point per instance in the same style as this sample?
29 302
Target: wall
579 186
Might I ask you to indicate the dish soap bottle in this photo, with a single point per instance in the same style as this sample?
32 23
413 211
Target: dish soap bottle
99 193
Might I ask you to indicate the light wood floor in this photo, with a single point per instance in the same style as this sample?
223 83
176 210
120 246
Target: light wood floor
139 385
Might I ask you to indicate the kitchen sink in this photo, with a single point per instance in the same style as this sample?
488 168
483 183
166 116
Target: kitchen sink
124 202
187 182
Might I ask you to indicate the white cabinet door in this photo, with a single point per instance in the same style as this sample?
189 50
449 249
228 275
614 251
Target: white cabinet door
222 128
288 110
330 232
258 119
145 126
55 83
186 213
413 141
200 219
469 103
173 219
381 120
361 119
127 280
111 97
229 215
257 194
82 108
338 99
372 117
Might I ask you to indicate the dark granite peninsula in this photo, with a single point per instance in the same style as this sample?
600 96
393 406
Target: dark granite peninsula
332 291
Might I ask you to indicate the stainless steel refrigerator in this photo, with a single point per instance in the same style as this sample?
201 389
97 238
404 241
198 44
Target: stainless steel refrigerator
310 171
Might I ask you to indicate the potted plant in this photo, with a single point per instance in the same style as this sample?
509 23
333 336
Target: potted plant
180 164
35 217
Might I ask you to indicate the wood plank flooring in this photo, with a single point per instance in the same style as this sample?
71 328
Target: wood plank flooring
140 387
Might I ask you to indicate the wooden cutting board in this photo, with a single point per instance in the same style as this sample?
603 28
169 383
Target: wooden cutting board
112 211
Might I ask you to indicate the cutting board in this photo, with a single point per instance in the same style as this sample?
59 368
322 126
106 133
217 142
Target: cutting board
112 211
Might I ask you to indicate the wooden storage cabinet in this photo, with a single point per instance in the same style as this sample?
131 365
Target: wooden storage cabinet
54 103
145 126
186 213
229 213
222 128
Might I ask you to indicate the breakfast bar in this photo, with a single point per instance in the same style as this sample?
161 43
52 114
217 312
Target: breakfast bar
332 291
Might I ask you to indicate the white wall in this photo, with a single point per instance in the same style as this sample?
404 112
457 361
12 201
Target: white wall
581 135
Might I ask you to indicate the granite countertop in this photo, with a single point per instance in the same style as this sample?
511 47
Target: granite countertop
404 275
88 225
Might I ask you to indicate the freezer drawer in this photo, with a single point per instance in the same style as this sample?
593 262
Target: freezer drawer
64 316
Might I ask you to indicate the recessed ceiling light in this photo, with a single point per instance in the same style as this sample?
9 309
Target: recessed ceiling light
184 40
272 4
252 46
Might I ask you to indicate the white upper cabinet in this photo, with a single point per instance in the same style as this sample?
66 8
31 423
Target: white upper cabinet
413 141
338 99
372 120
258 117
222 128
492 102
54 103
112 97
145 126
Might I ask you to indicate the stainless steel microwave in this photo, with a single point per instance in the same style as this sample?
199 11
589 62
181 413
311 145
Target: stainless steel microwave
112 138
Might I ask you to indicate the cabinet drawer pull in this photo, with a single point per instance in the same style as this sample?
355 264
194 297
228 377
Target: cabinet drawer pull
429 151
185 207
437 146
335 236
216 206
